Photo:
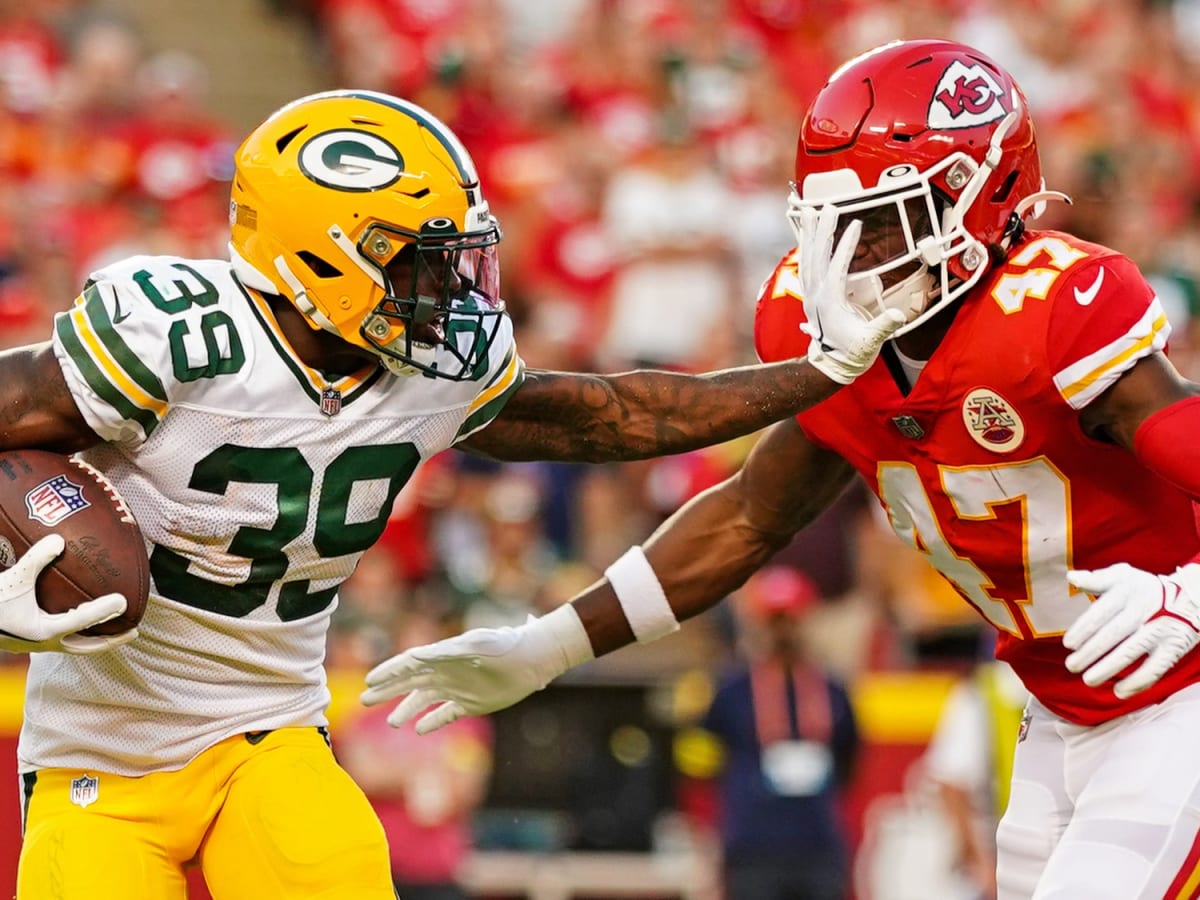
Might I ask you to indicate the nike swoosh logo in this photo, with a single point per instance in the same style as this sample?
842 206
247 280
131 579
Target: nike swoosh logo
119 315
1084 298
255 737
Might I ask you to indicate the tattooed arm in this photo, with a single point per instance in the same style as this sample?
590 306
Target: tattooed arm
645 413
36 408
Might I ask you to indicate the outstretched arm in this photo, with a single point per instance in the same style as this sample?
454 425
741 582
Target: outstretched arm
717 540
708 548
636 415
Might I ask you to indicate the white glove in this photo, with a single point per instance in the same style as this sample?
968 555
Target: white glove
27 628
844 342
479 671
1137 614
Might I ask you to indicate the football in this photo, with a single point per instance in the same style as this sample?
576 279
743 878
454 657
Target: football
45 493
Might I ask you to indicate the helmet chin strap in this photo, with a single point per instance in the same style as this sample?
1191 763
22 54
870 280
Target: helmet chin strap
253 278
422 354
910 296
396 366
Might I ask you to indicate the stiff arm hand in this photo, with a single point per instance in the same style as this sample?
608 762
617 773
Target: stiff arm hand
27 628
479 671
1136 614
844 343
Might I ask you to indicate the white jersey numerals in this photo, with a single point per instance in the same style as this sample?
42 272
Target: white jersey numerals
1014 287
1050 605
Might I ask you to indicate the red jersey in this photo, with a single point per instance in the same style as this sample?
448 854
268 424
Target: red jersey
983 467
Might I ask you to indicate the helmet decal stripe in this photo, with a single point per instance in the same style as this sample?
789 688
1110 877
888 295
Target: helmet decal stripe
338 236
445 137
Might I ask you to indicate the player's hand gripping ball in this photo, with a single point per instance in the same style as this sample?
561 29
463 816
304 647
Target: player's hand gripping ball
43 493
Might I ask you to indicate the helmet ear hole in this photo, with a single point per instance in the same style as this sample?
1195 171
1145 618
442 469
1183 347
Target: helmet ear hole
320 267
1005 188
288 138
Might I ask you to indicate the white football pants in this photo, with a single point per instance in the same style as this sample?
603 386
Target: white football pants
1110 812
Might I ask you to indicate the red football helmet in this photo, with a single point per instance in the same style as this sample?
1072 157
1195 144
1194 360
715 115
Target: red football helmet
930 144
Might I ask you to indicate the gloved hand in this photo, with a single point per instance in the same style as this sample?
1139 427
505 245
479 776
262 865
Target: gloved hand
479 671
27 628
844 343
1137 614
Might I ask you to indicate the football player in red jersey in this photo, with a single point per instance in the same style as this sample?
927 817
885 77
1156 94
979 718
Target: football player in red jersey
1024 431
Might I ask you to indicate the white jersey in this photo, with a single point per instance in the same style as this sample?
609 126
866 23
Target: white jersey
257 483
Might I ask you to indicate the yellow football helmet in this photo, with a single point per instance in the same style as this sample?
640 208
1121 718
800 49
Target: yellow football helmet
366 212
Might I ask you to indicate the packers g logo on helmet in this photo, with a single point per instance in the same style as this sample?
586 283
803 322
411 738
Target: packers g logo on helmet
351 161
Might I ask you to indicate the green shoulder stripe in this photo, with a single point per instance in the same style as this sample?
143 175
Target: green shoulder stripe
98 382
128 360
501 370
491 409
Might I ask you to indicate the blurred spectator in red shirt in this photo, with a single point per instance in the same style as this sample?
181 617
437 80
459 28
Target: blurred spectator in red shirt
567 260
180 151
611 77
31 57
391 45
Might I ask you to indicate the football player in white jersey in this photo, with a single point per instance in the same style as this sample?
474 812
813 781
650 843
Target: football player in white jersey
259 416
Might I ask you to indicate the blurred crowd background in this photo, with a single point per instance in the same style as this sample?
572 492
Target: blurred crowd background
637 154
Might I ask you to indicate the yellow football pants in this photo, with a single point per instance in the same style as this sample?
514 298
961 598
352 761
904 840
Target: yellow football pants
266 816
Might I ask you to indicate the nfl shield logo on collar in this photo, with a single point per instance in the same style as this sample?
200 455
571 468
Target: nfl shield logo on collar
909 427
85 790
331 401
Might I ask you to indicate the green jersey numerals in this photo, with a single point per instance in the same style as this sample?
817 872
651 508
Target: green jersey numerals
178 296
287 469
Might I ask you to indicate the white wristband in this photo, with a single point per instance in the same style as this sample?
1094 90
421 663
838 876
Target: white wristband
641 596
566 629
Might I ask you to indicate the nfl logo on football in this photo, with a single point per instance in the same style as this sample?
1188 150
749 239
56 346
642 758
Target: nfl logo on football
85 790
52 501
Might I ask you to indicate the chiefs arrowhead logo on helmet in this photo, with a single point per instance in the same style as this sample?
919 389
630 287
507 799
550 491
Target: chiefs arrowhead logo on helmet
966 96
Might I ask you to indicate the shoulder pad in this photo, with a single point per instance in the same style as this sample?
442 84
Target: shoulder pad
142 330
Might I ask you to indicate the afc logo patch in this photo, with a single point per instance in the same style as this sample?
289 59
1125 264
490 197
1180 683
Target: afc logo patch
85 790
991 421
966 96
54 500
